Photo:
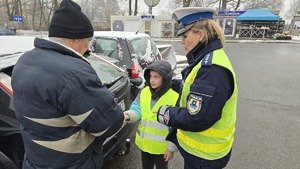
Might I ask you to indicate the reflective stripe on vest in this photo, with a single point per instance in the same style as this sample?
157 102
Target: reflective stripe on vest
215 142
151 135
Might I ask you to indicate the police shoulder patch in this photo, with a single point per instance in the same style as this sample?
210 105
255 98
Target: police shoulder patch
194 104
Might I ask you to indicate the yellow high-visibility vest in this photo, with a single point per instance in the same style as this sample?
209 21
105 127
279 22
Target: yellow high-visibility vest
151 135
215 142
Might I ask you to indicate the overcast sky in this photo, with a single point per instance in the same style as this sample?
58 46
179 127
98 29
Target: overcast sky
143 8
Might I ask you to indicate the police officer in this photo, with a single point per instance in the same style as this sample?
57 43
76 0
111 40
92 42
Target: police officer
204 121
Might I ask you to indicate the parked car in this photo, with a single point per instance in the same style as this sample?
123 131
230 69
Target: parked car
7 30
130 50
112 76
5 162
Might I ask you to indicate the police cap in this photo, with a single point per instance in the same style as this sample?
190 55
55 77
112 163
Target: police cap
188 16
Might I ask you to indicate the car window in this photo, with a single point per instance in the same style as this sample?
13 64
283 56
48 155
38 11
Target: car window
106 47
144 48
106 72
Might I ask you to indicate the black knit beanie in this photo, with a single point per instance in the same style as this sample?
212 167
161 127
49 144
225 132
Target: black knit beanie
69 22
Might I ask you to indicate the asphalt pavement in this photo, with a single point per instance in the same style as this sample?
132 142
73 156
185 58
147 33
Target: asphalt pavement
295 39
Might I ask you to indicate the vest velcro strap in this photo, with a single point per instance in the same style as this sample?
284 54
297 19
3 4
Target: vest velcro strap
151 136
219 133
155 125
211 148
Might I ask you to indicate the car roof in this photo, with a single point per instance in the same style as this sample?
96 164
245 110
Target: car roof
12 47
120 34
15 44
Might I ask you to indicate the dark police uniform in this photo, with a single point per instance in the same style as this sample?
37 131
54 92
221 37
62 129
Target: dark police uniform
209 92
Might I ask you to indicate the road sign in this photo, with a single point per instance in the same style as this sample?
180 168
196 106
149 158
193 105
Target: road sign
18 18
147 16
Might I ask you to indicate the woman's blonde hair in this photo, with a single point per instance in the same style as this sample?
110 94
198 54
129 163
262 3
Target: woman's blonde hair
211 29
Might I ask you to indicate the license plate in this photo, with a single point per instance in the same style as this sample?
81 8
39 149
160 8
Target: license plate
122 105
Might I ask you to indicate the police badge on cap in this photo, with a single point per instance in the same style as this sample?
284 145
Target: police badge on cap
188 16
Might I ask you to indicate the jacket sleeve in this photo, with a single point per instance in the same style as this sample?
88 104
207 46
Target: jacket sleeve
135 105
172 147
91 105
176 85
211 88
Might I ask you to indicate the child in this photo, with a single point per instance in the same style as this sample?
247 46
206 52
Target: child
151 135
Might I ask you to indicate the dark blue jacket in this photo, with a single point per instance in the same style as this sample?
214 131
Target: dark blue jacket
65 111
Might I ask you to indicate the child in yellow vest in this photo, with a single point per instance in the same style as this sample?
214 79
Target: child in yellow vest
151 135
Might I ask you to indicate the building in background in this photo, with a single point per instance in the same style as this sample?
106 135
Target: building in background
227 21
233 23
155 26
295 26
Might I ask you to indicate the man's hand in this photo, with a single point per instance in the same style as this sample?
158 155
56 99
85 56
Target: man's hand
131 116
126 117
168 155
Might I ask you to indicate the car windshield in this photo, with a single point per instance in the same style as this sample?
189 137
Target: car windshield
106 72
144 48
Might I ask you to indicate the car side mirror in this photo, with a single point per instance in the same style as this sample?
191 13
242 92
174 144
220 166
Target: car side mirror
136 81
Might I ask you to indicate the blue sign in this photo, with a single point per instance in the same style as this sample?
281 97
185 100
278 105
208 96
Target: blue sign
146 16
230 12
18 18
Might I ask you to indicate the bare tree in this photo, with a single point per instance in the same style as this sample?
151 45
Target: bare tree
222 4
186 3
135 7
33 14
111 8
167 7
10 9
270 4
294 9
233 5
130 7
229 4
203 3
55 5
237 5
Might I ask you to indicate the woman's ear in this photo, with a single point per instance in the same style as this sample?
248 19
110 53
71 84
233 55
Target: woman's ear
203 36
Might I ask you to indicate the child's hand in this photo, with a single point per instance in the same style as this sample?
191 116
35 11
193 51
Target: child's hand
126 117
168 155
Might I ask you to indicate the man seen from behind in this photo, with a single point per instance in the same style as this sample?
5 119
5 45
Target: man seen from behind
64 110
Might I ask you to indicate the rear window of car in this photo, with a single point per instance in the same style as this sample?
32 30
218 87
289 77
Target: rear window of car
106 72
106 47
144 48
